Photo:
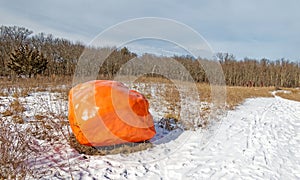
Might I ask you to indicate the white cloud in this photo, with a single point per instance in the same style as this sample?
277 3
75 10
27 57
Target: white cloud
254 28
9 19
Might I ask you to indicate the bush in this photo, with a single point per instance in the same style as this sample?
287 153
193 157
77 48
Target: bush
27 61
14 152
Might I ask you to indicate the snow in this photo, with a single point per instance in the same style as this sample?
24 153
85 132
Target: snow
38 103
260 139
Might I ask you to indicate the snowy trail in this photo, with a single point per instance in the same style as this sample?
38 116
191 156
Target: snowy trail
258 140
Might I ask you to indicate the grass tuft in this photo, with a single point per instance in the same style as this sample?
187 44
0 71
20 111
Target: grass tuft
109 150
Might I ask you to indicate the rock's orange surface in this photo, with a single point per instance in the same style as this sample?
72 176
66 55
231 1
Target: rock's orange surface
103 113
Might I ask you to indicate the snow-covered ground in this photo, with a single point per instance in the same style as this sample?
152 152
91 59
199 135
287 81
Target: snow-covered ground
258 140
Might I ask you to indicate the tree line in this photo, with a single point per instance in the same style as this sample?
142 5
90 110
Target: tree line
25 54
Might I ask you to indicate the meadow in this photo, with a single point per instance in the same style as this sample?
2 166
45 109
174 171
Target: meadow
33 113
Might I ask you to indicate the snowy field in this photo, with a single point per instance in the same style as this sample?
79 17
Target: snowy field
260 139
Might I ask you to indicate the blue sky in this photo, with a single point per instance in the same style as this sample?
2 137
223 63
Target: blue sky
252 28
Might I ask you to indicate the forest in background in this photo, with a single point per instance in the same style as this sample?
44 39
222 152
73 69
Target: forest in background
24 54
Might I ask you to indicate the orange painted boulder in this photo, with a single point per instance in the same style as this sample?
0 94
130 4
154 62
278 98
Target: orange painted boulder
104 113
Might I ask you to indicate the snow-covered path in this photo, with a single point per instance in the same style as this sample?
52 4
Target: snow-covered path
261 140
258 140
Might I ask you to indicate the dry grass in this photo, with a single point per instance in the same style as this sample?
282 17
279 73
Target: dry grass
15 110
17 137
109 150
54 128
18 147
22 87
49 128
36 82
204 92
15 150
167 93
236 95
294 94
147 79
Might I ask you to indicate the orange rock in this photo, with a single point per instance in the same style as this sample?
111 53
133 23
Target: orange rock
103 113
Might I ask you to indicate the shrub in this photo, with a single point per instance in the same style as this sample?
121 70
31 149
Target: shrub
27 61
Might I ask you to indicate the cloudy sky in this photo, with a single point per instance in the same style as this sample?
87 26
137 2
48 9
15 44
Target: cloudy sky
246 28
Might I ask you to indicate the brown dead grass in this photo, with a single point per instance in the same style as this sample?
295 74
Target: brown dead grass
293 95
22 87
36 82
16 138
237 95
170 96
109 150
147 79
166 90
15 110
169 92
15 150
204 92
